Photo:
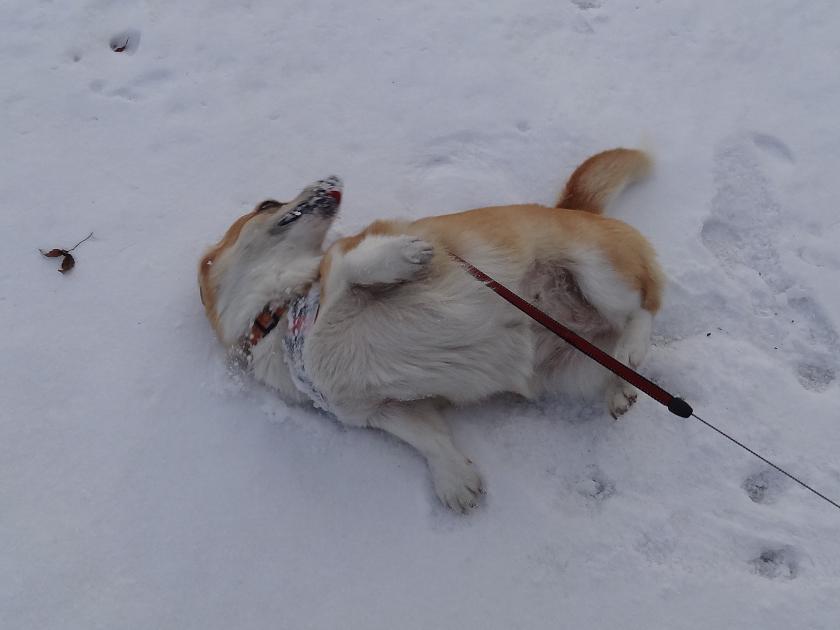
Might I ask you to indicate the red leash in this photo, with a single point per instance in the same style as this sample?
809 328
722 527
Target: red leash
675 405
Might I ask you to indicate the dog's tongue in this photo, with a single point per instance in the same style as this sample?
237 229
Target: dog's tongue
335 194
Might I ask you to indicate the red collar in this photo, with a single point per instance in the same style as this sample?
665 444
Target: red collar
264 323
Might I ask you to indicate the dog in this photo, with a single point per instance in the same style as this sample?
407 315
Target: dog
384 328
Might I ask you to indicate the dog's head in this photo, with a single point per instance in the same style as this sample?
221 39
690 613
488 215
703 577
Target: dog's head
265 255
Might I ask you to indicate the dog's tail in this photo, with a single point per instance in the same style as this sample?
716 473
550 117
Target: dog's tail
600 178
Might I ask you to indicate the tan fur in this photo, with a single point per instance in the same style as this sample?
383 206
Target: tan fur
324 270
206 283
404 328
377 228
539 233
531 231
599 178
348 243
534 232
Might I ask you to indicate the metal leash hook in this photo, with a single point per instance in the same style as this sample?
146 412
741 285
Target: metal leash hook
674 404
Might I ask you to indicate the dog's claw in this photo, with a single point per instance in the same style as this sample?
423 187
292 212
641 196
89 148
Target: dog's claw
620 398
457 484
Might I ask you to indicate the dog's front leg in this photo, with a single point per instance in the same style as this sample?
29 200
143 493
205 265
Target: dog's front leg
384 260
455 479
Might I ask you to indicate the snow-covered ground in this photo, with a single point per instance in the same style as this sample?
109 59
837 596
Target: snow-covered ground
144 486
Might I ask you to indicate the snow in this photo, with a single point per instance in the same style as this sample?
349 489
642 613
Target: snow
144 486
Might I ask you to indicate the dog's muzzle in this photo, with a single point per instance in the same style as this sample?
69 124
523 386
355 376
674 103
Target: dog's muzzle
321 198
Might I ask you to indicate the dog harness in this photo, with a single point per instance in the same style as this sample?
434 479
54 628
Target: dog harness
302 314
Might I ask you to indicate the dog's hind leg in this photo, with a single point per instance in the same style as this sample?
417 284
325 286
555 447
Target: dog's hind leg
628 297
420 424
631 348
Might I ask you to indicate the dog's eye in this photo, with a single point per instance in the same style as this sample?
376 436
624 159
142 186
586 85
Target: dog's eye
268 204
294 215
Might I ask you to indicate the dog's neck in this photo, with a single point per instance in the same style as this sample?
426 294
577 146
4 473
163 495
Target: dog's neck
245 290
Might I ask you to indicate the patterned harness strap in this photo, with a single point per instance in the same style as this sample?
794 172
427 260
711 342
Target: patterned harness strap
302 313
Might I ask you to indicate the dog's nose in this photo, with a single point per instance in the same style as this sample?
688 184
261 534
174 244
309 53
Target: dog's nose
325 193
331 187
333 181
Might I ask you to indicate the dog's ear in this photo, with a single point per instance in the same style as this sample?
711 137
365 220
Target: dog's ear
268 205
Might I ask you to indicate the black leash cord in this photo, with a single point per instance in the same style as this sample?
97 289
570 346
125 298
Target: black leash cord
765 460
674 404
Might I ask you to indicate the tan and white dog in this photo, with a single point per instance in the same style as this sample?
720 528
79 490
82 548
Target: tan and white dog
402 328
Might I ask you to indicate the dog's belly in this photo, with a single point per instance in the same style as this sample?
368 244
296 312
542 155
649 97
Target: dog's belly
456 339
464 372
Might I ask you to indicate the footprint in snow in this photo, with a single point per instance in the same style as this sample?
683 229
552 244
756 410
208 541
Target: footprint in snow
773 146
813 322
657 546
776 564
463 169
745 230
136 88
814 376
765 486
585 5
596 487
745 216
126 41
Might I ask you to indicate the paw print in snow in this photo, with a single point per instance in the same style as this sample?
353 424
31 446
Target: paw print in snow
776 563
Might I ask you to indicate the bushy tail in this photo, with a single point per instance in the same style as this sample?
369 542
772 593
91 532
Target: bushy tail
600 178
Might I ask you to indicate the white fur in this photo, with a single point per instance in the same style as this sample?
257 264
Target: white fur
455 479
382 260
444 335
403 327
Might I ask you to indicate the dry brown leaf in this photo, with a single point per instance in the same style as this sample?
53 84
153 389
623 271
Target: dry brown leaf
68 263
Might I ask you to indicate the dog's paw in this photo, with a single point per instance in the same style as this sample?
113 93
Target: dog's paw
406 258
383 260
416 251
620 397
457 483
